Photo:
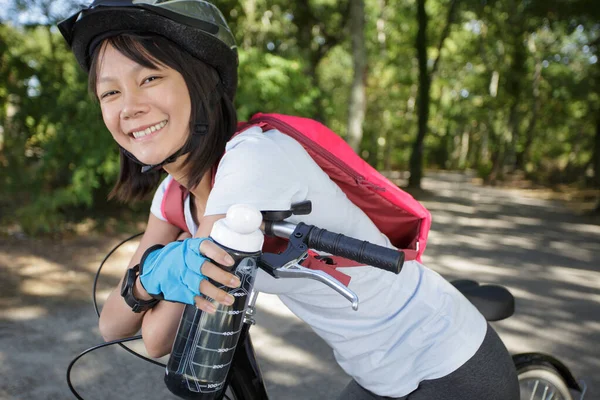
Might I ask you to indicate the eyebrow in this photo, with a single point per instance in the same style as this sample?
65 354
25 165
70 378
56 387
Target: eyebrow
104 79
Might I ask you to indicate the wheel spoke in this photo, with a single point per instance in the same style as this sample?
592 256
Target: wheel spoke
543 384
534 390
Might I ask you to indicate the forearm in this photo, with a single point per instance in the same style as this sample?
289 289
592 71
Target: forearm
158 324
117 320
159 327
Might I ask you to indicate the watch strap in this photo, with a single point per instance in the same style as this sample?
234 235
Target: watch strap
136 305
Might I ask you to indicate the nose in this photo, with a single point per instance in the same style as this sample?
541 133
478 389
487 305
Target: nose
133 106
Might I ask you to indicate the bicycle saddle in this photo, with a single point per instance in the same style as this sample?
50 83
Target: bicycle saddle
494 302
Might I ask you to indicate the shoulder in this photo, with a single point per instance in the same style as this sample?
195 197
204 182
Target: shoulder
256 138
258 168
270 149
254 151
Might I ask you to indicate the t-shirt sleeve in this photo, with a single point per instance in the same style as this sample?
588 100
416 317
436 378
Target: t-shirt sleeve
155 208
256 170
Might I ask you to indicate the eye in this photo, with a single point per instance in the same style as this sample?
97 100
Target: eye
151 79
108 94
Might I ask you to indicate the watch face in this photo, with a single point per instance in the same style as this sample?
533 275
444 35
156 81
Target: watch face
127 292
127 286
124 284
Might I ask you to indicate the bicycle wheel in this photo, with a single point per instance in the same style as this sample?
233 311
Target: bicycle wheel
542 382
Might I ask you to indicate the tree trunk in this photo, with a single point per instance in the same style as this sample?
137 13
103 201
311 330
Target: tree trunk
357 105
484 153
597 161
596 154
425 78
515 80
416 158
498 157
464 149
523 155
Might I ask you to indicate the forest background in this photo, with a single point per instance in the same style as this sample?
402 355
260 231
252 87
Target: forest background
504 88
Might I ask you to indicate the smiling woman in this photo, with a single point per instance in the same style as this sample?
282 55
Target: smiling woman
164 72
143 85
147 111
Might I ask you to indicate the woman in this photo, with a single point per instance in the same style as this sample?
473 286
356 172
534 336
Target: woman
165 77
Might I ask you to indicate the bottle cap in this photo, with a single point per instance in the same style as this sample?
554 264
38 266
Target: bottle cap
240 229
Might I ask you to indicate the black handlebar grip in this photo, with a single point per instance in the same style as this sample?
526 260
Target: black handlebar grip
357 250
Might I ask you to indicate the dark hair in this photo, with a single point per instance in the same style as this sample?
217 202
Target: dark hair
210 105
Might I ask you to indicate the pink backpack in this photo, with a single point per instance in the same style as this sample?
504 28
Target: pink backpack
396 213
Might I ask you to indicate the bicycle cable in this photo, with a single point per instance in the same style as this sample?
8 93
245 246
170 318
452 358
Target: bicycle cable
119 341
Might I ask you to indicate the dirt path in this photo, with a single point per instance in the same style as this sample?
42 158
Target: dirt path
545 254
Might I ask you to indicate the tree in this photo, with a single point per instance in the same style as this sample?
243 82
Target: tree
357 105
585 12
425 77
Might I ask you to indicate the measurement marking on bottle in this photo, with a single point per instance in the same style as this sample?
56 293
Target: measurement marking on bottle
217 366
230 312
214 385
219 350
230 333
205 388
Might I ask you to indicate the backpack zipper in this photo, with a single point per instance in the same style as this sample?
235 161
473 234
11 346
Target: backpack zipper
359 179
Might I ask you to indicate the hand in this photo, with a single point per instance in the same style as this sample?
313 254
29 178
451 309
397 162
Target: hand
177 272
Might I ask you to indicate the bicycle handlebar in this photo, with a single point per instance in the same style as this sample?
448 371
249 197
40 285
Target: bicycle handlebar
357 250
339 245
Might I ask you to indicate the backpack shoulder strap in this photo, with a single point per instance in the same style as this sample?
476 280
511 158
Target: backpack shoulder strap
173 203
396 213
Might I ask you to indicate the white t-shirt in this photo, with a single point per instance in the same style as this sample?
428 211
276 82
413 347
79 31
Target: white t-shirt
409 327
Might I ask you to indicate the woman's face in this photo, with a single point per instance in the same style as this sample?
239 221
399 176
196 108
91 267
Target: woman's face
147 111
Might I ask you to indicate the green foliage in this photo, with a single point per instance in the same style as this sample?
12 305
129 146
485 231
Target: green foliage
58 153
271 83
517 87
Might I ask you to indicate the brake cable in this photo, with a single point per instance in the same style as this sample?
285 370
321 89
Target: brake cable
118 341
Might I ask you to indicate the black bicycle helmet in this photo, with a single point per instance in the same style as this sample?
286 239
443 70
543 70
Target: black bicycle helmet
196 25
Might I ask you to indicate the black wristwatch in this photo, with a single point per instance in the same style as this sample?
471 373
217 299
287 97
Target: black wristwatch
136 305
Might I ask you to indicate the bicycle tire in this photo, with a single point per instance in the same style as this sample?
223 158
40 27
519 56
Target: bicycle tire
542 382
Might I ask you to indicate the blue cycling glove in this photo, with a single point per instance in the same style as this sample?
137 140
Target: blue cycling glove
173 272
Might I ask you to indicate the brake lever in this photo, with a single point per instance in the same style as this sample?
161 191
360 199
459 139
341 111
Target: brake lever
287 264
295 270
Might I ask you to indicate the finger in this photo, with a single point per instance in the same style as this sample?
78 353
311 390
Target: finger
182 293
192 279
220 296
216 253
217 274
205 305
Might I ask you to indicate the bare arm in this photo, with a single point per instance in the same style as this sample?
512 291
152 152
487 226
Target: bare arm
116 319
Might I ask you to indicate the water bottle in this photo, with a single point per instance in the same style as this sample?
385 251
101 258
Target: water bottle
205 343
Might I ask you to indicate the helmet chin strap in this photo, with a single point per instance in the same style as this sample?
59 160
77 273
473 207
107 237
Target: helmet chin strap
199 130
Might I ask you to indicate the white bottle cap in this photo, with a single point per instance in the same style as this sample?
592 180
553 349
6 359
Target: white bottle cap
240 229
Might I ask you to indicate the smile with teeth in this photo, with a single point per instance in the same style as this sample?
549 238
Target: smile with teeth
147 131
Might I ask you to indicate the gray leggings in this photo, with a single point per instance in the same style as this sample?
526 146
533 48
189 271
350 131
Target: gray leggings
490 374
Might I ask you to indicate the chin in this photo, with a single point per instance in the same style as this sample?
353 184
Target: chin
149 159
